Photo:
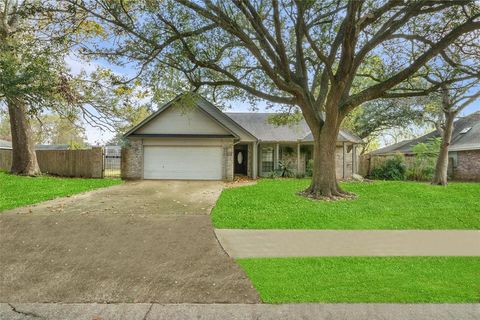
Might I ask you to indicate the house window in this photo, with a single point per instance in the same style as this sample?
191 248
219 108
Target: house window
267 159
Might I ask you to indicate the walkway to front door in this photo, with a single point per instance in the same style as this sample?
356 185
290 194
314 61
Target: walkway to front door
317 243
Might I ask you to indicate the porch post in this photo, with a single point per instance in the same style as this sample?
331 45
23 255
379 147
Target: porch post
277 156
344 162
354 159
298 158
255 160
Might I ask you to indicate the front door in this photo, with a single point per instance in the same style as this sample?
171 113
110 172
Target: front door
240 160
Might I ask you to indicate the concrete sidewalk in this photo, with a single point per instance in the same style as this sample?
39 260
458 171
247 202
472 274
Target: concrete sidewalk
239 311
315 243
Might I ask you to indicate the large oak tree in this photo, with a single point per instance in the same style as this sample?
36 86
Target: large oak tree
318 56
35 39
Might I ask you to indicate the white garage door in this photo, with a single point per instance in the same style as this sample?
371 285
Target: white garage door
190 163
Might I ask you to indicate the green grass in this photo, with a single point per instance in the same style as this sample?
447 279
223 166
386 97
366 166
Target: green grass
17 191
366 279
274 204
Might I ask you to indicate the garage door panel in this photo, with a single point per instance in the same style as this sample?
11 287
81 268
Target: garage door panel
195 163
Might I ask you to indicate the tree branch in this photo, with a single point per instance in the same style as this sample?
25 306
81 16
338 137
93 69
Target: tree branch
379 89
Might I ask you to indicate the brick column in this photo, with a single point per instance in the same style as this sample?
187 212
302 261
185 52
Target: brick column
97 162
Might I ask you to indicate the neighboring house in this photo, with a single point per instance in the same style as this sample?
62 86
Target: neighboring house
464 150
202 142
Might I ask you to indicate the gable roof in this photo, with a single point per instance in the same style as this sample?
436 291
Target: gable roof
258 124
208 108
253 125
465 136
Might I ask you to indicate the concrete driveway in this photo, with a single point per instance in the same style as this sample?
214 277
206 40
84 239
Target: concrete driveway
148 241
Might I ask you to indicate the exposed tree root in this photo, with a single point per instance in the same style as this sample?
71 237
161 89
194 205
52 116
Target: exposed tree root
332 195
439 182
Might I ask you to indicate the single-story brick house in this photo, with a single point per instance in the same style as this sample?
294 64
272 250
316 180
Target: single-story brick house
464 150
205 143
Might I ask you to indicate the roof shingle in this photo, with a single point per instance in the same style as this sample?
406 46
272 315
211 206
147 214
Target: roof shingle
258 124
469 140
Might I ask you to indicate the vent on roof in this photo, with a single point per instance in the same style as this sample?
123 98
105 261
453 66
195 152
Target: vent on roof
465 130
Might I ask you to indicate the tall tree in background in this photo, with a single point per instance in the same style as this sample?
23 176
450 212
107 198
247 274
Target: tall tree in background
373 118
455 77
13 75
50 129
453 102
454 97
53 129
318 56
35 39
132 116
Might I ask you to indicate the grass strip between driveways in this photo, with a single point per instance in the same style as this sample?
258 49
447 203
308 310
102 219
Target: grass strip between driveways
390 205
18 191
366 279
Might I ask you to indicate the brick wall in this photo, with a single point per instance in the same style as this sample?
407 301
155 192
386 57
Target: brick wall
132 160
468 166
228 162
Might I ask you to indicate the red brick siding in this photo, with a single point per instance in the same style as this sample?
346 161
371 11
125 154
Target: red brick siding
468 166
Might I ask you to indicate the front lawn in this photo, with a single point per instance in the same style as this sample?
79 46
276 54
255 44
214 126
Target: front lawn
17 191
366 279
274 204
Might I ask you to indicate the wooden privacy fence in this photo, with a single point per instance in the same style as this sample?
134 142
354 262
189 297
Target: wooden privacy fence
86 163
5 159
369 162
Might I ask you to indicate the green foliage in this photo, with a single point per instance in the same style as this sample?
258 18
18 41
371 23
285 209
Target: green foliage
275 204
309 168
74 145
426 155
392 169
186 103
285 168
18 191
35 41
272 175
285 118
365 279
371 120
220 59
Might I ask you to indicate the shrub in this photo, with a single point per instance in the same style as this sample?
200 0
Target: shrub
392 169
285 169
426 154
309 168
272 175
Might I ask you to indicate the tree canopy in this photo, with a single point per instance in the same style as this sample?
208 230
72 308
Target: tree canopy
324 57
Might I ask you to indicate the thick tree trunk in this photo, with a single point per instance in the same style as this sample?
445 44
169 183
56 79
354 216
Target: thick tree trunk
441 168
324 183
24 159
